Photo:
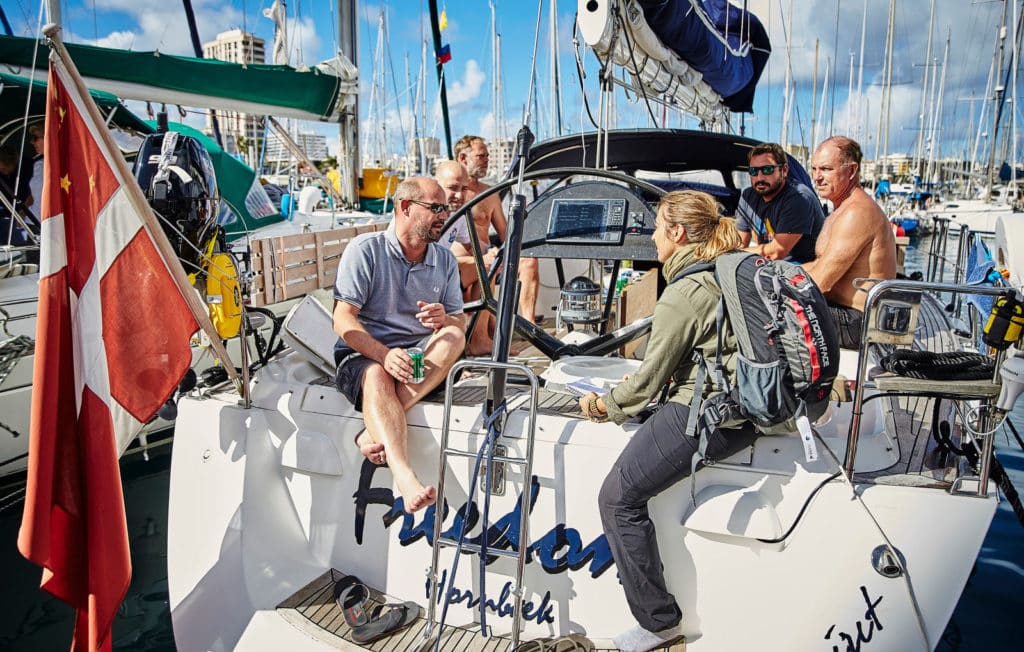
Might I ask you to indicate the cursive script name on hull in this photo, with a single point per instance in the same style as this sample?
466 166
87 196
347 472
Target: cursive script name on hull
558 550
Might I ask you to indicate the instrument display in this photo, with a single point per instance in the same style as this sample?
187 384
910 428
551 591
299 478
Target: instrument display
587 221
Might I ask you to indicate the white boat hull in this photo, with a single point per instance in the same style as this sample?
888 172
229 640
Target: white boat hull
278 493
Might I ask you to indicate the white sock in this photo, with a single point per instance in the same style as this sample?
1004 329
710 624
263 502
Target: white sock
639 639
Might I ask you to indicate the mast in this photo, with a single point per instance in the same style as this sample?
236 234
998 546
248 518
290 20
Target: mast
860 71
412 112
424 157
882 137
924 94
936 128
849 93
997 103
1013 112
785 85
197 47
981 121
814 97
348 128
556 91
435 27
501 150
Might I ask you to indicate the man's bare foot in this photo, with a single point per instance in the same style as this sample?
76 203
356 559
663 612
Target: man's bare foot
414 494
423 499
480 349
370 449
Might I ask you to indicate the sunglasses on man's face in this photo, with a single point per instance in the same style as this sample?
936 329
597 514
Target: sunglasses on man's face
764 169
436 209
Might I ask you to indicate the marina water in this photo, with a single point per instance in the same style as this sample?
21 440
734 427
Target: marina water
987 618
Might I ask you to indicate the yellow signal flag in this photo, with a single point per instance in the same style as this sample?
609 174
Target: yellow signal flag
444 19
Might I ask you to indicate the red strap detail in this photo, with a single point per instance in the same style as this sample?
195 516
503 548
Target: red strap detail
805 327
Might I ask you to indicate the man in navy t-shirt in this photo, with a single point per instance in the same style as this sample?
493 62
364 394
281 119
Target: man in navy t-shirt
785 216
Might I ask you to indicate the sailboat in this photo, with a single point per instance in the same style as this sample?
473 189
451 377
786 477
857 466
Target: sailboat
274 513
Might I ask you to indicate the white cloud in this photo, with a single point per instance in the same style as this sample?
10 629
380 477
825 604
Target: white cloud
468 88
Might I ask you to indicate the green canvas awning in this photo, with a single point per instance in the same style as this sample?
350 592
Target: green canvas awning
248 206
320 93
13 91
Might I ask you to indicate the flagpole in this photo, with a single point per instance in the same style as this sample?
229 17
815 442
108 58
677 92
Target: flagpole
142 207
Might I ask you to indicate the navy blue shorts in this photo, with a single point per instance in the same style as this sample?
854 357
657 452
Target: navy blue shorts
349 377
352 367
849 322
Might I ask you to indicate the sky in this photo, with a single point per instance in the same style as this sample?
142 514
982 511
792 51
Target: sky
830 28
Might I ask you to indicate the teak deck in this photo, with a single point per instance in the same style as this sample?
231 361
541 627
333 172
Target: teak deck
313 609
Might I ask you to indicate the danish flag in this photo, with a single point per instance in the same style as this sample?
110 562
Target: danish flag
112 343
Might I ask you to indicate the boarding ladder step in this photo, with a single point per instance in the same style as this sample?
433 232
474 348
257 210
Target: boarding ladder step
487 367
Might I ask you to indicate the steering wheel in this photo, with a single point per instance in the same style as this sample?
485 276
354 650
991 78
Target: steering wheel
538 337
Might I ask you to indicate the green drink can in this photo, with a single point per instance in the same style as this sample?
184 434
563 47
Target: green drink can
416 354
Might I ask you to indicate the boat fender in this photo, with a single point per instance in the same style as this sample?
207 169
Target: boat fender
223 295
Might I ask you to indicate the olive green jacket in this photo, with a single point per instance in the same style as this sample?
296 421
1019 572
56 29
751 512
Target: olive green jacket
685 318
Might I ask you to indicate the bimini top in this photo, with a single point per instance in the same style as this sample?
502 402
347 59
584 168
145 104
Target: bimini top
320 93
672 159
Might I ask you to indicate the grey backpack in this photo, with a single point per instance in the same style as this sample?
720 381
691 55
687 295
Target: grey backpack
787 345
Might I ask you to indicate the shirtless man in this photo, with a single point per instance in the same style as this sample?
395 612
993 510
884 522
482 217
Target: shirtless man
472 152
856 240
454 181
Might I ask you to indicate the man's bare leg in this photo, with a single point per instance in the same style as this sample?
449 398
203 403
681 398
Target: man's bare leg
386 424
442 350
529 275
385 402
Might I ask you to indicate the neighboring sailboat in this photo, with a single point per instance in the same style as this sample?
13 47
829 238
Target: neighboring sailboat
319 94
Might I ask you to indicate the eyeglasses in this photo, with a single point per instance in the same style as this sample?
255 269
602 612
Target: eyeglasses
764 169
436 209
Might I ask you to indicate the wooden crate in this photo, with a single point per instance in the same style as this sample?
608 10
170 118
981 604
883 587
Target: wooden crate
638 300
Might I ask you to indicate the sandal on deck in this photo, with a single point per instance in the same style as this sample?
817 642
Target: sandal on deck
387 619
351 596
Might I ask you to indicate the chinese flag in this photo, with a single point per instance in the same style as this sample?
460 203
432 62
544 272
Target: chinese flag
112 342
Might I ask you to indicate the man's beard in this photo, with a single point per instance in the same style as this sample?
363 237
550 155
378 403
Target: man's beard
426 232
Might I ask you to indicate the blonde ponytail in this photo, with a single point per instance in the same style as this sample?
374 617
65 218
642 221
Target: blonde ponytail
700 216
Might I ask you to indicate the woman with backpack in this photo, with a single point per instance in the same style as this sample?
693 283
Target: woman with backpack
688 230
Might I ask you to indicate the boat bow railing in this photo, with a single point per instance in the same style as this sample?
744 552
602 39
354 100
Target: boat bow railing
890 318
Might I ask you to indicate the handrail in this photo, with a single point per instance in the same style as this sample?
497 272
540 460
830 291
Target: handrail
875 294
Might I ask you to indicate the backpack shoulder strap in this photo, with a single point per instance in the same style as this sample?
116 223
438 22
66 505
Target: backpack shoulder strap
693 269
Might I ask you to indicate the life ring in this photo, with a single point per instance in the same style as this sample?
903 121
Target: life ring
224 295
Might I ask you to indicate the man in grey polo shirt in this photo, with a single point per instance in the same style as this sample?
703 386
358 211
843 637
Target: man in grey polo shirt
397 289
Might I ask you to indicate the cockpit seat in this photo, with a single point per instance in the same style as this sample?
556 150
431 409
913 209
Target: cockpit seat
309 331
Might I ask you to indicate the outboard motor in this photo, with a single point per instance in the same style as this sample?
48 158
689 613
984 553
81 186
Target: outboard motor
176 174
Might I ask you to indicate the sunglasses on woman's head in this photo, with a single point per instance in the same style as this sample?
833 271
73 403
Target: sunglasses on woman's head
764 169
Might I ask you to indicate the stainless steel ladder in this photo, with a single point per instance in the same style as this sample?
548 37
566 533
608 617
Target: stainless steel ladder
526 498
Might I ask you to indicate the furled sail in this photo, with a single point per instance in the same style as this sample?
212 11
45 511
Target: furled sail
704 55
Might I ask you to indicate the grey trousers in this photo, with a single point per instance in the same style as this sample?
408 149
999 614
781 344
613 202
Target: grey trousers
657 457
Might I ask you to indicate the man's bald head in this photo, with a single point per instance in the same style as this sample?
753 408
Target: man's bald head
454 180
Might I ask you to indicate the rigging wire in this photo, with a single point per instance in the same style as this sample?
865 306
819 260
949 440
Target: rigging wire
580 72
632 57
